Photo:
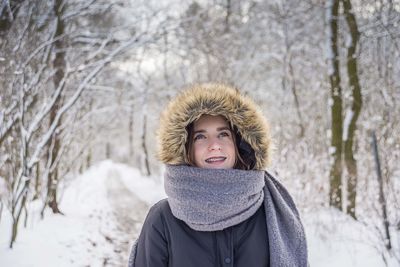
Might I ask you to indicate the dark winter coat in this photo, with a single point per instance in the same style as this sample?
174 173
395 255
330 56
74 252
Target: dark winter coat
167 241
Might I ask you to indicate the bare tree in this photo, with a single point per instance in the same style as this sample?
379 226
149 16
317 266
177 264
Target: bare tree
335 193
59 65
353 114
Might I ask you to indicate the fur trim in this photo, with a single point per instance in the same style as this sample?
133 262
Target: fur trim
212 99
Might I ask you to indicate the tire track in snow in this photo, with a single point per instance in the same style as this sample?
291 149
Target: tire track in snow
129 212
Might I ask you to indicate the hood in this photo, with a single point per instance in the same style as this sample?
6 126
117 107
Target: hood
212 99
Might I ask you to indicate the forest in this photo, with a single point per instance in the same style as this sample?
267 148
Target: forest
85 81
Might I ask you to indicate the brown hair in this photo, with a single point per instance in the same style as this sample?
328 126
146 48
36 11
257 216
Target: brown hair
189 155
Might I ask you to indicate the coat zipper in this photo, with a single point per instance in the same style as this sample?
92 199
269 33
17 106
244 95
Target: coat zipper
216 249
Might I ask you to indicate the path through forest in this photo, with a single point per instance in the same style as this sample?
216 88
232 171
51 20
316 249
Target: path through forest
129 212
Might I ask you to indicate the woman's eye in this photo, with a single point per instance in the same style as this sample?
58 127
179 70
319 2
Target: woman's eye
224 134
198 137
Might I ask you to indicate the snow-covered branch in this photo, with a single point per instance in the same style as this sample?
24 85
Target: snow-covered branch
37 120
46 137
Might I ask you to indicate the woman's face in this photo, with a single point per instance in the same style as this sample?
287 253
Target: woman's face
213 145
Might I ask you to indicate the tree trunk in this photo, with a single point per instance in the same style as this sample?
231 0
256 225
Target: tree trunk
1 210
16 212
108 151
290 79
293 87
89 153
52 194
88 159
352 72
382 198
131 133
228 14
59 65
37 182
26 216
335 192
146 156
20 196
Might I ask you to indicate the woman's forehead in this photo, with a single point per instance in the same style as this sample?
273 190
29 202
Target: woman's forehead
210 120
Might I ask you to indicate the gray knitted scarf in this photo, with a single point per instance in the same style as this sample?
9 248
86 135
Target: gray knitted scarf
214 199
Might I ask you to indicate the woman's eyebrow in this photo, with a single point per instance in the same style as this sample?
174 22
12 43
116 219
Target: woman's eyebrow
218 129
223 128
199 131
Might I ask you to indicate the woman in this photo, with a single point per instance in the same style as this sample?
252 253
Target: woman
223 208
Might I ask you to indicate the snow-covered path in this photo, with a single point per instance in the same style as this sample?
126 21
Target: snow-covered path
129 212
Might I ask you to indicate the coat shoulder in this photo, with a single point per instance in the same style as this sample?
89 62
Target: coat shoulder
159 207
159 211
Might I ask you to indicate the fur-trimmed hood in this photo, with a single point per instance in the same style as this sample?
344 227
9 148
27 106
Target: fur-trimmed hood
212 99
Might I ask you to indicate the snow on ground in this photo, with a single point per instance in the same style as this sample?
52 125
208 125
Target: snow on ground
104 209
334 239
76 239
89 234
145 188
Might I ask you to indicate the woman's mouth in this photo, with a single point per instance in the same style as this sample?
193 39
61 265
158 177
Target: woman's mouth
215 160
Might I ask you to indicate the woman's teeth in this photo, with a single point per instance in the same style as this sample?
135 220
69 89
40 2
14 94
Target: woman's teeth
215 159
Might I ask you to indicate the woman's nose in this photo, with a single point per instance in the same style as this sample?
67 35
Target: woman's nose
214 145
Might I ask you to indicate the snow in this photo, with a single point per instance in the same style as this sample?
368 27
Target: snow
145 188
346 123
348 41
82 236
336 240
64 240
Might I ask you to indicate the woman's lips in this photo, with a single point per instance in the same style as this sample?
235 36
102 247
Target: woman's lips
215 160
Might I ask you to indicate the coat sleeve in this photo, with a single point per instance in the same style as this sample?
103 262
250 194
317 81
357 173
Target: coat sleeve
151 249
